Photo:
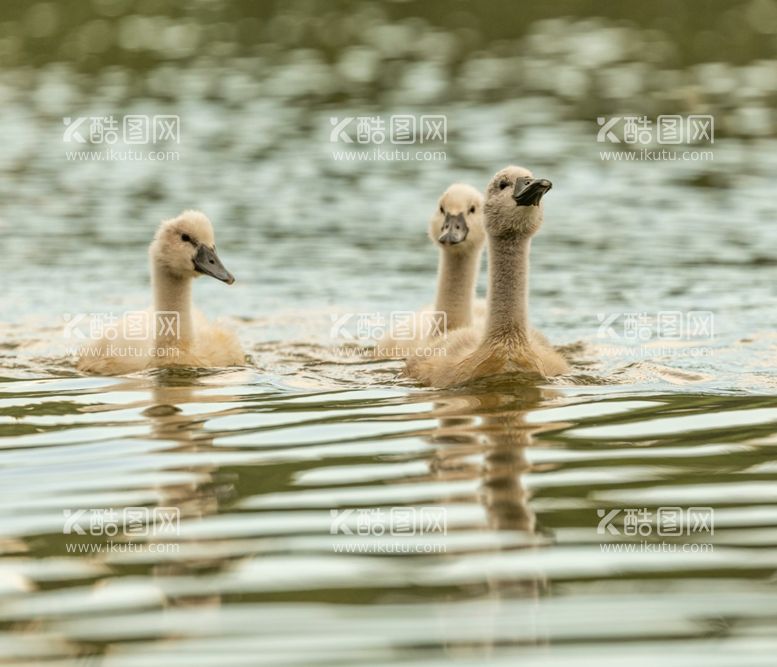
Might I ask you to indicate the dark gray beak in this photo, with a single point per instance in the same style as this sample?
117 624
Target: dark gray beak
530 193
207 261
454 229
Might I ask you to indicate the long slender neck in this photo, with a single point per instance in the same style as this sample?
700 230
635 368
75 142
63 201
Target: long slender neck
456 282
172 294
508 288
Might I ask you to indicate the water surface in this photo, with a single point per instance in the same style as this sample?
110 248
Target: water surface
257 458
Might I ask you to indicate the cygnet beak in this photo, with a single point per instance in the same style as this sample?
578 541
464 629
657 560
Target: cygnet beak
454 229
530 194
207 261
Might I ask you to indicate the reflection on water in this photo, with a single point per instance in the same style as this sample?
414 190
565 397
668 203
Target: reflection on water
255 470
257 458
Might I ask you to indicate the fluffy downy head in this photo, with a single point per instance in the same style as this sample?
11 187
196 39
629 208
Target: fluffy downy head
514 202
457 224
185 248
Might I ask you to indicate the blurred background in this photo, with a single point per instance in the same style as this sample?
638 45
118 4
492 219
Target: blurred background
255 86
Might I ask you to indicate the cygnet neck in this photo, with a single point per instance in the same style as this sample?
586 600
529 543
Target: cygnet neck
456 284
172 294
508 288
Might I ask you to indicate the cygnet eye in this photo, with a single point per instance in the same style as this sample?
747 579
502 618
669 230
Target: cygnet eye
471 209
503 184
186 238
442 210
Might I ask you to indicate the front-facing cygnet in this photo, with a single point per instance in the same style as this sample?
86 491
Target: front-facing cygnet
513 214
458 231
456 228
173 332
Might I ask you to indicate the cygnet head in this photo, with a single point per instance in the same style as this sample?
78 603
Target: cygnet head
514 202
186 248
457 224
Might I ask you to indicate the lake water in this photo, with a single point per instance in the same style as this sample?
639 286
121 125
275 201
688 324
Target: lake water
525 516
